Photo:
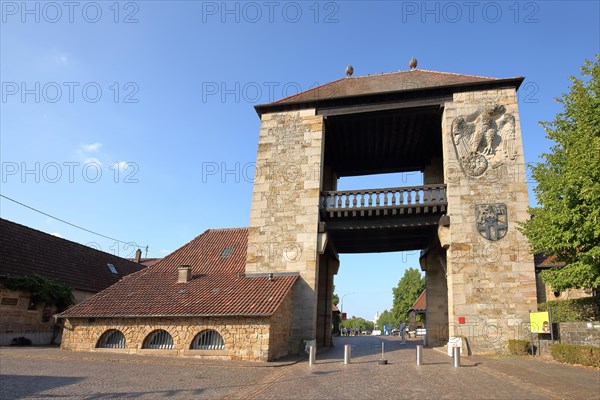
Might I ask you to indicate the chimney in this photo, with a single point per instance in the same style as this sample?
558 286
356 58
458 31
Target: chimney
138 256
185 273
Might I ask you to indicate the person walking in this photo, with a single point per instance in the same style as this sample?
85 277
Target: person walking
403 332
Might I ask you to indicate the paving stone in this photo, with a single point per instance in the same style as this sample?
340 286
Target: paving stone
38 372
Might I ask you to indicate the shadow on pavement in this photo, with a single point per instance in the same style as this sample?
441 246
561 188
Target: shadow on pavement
27 386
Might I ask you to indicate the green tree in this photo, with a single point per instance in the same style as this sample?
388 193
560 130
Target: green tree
567 223
406 293
335 299
358 322
386 318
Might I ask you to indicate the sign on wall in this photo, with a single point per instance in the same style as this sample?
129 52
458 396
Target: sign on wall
540 322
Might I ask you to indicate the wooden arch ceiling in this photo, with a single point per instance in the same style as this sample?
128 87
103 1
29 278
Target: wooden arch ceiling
383 141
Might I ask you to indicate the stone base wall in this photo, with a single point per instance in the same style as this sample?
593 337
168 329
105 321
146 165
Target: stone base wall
251 339
578 333
280 335
437 297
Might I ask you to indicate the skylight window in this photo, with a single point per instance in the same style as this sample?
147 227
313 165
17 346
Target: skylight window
112 268
226 252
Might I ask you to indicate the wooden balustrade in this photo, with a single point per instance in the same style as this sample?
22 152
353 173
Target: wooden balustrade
384 201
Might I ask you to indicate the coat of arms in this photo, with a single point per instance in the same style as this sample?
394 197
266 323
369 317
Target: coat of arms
478 136
492 221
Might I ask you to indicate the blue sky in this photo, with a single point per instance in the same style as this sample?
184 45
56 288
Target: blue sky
136 120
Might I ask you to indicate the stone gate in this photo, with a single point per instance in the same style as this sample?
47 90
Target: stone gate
463 133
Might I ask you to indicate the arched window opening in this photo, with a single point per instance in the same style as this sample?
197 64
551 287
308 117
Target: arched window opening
111 339
208 340
158 339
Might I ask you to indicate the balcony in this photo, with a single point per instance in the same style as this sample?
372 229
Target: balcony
385 219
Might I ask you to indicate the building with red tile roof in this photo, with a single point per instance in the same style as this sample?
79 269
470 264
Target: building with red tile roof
27 252
200 289
544 291
419 308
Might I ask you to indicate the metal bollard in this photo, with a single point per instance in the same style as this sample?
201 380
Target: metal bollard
312 355
456 356
419 354
347 353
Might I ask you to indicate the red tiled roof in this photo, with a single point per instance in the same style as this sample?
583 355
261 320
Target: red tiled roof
26 251
421 302
399 81
543 261
218 286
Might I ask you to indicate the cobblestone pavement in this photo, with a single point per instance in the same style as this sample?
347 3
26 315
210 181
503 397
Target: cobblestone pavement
52 373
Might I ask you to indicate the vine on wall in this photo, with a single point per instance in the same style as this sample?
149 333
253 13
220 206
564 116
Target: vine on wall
41 290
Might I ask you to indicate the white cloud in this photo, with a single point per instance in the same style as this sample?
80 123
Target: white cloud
56 234
90 148
165 251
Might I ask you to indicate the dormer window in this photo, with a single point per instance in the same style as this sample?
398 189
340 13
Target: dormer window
112 268
226 252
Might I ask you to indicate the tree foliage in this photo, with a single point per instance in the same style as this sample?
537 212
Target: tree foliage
386 318
335 299
406 293
358 322
567 223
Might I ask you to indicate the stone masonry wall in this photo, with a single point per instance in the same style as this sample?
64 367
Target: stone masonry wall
279 336
284 215
491 283
580 333
37 325
437 297
244 338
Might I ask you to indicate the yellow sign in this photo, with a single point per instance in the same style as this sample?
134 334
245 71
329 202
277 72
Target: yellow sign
539 322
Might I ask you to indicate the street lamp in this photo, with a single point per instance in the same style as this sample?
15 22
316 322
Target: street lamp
342 301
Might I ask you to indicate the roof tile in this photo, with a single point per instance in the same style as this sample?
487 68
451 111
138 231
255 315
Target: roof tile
384 83
218 286
26 251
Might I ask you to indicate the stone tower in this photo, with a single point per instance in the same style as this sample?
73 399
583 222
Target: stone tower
463 133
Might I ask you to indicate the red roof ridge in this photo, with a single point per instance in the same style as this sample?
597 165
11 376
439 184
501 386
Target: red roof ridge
407 71
241 228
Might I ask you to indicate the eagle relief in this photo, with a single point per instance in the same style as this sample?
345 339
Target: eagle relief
479 136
